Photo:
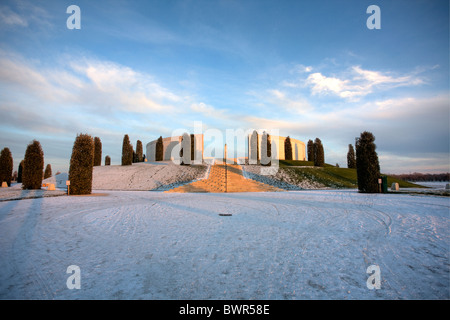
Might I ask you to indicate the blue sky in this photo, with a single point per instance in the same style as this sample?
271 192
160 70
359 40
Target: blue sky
306 68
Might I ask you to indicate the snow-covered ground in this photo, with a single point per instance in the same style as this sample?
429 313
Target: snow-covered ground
314 244
439 185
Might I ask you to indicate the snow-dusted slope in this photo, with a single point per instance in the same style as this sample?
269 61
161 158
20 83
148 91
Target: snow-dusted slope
144 176
139 176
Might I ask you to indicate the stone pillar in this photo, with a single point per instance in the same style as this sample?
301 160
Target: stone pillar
151 151
186 149
265 157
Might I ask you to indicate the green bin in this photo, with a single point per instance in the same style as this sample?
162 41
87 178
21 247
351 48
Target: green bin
384 184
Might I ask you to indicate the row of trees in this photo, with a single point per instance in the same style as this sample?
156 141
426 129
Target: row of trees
315 152
31 169
86 153
129 156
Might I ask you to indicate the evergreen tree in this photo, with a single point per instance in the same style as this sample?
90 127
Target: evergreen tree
127 151
351 160
192 147
33 166
81 165
287 149
6 166
48 171
310 151
107 160
367 164
97 152
139 151
159 156
319 157
20 172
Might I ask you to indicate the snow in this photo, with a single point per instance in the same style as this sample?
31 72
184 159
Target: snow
162 175
439 185
309 244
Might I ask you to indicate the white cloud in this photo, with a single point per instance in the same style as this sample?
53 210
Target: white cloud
295 105
124 87
91 84
10 18
359 83
206 109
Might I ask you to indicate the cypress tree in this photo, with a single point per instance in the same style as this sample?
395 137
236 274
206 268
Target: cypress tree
139 151
319 157
159 156
127 151
367 164
97 152
192 147
287 149
20 172
81 165
33 166
351 160
310 151
48 171
6 166
107 160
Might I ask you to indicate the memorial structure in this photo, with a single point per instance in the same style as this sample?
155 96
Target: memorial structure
173 145
256 149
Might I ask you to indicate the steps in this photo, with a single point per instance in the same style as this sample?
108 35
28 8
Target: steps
225 178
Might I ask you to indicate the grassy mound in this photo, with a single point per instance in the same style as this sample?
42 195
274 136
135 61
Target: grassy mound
330 176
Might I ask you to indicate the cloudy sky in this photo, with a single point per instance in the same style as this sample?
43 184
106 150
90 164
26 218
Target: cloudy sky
306 68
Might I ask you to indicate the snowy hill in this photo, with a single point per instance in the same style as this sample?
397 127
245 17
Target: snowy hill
139 176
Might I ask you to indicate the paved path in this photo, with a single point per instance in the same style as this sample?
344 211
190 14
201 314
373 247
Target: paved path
225 178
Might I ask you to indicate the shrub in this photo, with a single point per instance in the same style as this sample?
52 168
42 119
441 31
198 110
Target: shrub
20 172
97 151
107 160
159 156
6 166
127 151
287 149
319 157
139 151
310 151
48 171
367 164
351 160
192 147
81 165
33 166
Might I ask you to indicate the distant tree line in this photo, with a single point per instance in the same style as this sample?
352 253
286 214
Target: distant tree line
416 176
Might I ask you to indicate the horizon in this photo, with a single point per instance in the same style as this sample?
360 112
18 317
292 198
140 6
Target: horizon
307 69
